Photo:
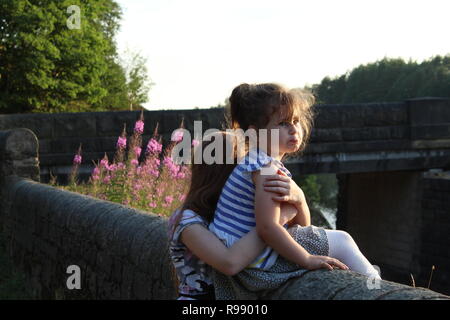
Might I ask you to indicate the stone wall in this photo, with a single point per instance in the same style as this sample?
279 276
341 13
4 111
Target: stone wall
400 221
122 252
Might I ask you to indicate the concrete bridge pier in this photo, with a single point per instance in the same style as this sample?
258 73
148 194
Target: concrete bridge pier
400 221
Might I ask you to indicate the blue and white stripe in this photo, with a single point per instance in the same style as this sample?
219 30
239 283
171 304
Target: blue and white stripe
235 212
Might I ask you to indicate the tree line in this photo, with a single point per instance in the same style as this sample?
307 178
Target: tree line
386 80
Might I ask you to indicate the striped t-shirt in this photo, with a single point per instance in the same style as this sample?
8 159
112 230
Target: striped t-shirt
235 212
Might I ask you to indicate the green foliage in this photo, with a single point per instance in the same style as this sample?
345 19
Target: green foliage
47 67
310 188
320 189
137 81
387 80
328 190
114 81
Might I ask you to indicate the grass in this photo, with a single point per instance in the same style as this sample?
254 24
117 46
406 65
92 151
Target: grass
12 281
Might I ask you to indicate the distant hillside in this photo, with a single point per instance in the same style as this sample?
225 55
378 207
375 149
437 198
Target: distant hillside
387 80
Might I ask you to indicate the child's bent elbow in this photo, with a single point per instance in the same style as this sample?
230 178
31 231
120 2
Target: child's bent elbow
264 231
229 269
232 271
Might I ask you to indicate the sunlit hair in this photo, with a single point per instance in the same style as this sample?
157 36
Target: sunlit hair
255 104
208 180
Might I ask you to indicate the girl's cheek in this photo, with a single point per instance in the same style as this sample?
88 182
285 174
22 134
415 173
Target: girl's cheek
300 131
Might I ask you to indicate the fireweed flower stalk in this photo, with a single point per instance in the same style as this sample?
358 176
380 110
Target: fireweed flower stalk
143 177
74 172
121 146
132 175
136 139
132 163
174 181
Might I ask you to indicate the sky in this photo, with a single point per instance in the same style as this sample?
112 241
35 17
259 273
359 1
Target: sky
197 51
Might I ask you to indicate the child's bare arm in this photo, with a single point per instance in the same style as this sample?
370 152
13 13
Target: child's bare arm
303 217
267 212
288 213
207 247
286 191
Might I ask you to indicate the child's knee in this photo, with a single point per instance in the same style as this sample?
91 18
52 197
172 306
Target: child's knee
345 237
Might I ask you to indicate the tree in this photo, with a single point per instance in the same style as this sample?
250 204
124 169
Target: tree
47 67
114 80
309 185
137 81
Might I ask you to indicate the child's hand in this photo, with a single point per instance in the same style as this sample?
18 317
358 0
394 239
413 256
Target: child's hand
324 262
285 188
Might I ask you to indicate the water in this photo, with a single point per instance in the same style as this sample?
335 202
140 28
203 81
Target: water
329 215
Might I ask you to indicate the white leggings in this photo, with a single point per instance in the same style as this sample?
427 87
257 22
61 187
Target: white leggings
343 247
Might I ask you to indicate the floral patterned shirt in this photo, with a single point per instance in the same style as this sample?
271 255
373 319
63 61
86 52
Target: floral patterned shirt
194 275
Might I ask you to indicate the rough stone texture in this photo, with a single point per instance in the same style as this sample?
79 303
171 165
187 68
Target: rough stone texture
122 252
347 285
19 154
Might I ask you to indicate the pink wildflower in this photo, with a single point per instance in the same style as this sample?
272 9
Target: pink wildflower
121 143
137 151
77 159
107 180
182 197
181 175
157 162
168 199
177 135
195 142
173 168
96 171
139 127
154 147
104 163
168 162
152 205
134 162
154 173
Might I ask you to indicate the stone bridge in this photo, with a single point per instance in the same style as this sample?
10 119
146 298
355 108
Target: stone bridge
389 201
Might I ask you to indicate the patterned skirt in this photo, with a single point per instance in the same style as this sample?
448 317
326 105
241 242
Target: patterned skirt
250 283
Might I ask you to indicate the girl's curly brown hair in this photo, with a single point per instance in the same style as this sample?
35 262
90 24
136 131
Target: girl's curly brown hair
254 104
